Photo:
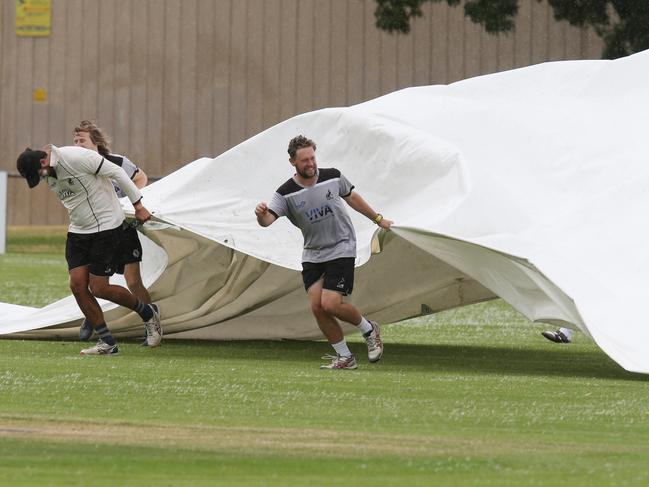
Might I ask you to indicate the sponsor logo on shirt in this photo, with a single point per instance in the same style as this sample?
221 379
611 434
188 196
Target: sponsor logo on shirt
315 214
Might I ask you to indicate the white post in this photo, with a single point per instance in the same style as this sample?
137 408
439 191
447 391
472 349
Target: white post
3 211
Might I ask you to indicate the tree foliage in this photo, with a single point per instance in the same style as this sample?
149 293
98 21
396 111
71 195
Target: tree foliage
622 24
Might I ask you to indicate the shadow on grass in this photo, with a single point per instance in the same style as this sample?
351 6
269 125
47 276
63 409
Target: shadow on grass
464 359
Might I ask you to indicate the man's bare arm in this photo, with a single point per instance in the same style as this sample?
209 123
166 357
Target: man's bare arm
264 216
140 179
357 202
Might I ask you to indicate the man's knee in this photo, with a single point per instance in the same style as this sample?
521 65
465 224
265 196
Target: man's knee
317 309
330 304
78 287
79 279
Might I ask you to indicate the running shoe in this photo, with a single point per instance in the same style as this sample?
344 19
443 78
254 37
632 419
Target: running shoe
153 328
340 362
374 343
102 348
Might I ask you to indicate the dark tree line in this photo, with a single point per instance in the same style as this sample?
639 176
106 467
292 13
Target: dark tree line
622 24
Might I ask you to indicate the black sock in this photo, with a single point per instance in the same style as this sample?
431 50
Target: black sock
104 334
144 310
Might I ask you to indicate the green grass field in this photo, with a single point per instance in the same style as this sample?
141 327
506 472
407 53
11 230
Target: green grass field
473 396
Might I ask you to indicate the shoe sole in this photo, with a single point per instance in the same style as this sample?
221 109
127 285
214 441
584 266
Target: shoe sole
98 354
376 359
344 368
328 367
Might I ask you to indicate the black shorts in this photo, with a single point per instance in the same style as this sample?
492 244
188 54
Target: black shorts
338 274
96 250
130 249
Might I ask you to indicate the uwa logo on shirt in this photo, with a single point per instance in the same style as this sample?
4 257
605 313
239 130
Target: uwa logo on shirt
317 213
65 193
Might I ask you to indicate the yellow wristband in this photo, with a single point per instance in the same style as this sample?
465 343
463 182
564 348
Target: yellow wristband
378 218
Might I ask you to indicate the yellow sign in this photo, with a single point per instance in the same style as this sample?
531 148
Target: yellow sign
40 94
33 17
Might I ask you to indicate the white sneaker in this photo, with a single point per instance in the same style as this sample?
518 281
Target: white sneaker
102 348
340 362
153 328
374 343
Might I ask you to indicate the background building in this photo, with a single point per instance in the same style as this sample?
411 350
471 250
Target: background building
175 80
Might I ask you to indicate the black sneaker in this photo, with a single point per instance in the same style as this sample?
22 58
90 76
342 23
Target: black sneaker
556 336
85 331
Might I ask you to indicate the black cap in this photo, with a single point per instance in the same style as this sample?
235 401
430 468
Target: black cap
29 165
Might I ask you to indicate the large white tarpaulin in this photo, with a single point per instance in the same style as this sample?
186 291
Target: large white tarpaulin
531 185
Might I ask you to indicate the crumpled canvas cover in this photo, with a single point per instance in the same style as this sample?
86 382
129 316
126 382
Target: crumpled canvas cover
531 185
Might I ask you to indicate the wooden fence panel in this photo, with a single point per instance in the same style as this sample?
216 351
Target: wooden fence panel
173 80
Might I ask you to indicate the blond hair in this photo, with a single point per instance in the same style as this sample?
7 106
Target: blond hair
97 135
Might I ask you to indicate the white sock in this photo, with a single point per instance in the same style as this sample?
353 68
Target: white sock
364 325
342 349
567 332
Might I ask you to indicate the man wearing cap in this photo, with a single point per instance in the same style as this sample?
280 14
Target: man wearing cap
81 178
87 134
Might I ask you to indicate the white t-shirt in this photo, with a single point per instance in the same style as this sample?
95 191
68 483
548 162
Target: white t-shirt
83 184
